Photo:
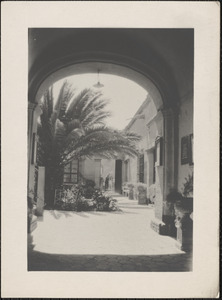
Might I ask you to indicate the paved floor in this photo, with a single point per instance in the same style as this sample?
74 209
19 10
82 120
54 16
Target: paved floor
104 241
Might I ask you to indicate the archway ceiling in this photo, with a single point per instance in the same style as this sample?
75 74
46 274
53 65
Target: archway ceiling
107 68
165 56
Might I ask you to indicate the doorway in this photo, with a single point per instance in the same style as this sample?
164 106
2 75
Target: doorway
118 176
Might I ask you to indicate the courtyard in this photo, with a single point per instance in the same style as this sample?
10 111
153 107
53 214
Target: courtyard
108 122
104 241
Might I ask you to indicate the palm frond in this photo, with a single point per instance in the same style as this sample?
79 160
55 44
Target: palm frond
74 107
95 117
89 104
100 140
76 128
65 95
73 136
73 124
60 133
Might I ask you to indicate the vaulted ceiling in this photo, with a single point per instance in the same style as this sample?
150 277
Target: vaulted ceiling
165 56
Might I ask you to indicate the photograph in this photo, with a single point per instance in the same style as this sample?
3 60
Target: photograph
110 149
107 109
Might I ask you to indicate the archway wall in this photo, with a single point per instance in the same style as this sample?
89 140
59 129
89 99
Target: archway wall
107 68
162 55
150 125
185 130
161 61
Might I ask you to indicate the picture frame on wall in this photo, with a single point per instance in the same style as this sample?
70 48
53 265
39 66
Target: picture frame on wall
185 141
187 149
191 149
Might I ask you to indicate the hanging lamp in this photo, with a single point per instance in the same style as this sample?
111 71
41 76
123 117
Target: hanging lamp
98 84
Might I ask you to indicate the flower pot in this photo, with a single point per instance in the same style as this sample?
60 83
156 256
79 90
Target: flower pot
142 199
142 193
184 223
131 194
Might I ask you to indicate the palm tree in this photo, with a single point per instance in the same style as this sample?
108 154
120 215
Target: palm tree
75 128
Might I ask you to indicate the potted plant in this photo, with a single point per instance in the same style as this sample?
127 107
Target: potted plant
183 208
131 191
142 193
152 194
32 219
184 205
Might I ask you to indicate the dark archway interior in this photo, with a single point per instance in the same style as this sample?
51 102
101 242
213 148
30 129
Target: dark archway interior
160 60
165 56
118 176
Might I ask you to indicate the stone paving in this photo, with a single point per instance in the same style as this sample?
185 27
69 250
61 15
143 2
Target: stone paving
104 241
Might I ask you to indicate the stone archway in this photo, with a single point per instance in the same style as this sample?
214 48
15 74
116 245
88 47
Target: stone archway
166 172
128 53
112 68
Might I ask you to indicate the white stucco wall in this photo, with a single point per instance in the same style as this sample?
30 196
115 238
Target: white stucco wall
91 169
149 128
108 167
185 128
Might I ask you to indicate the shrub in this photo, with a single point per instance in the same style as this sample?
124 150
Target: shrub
188 186
73 199
104 202
87 191
141 193
152 193
87 188
174 196
130 185
141 187
90 183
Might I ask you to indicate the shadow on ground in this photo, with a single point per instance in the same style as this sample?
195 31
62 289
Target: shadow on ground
67 229
57 214
84 214
38 261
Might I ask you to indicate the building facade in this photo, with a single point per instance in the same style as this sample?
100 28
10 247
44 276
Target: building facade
95 169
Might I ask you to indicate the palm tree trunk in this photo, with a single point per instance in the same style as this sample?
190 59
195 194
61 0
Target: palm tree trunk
53 180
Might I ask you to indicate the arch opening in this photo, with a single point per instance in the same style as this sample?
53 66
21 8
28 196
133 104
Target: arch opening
159 150
106 68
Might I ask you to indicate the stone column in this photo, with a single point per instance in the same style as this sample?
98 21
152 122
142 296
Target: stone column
40 191
169 171
169 151
31 108
165 177
34 111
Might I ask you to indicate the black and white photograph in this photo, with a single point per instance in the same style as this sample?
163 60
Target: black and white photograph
115 172
106 190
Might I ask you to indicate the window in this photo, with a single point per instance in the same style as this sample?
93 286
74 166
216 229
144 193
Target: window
141 168
71 172
185 150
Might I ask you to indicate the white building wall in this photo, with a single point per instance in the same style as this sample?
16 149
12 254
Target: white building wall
185 128
108 167
91 169
149 127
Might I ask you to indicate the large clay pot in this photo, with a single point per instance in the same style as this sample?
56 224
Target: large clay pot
131 193
142 199
184 223
142 195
